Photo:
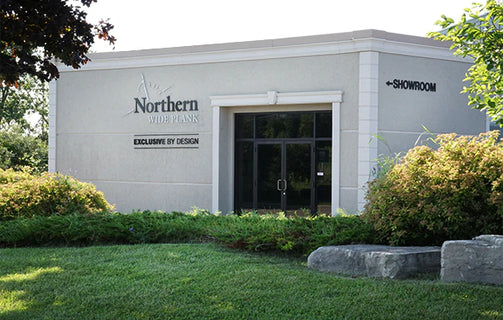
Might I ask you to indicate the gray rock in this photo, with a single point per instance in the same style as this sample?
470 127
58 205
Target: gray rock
478 260
376 260
494 239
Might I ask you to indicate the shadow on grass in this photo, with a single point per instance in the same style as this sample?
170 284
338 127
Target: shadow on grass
208 281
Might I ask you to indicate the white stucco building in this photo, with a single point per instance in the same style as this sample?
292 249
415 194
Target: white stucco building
282 124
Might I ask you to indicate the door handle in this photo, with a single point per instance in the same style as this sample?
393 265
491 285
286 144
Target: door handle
278 185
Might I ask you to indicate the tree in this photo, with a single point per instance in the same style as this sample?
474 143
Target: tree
478 35
29 99
24 124
19 151
33 36
34 33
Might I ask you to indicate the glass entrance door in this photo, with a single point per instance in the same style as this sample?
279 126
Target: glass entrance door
284 178
299 176
283 162
269 176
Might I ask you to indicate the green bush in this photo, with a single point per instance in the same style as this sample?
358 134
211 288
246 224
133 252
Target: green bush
53 209
453 192
295 235
26 195
19 150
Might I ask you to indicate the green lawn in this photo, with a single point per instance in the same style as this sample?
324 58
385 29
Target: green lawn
205 281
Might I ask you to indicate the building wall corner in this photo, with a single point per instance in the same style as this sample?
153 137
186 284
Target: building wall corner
52 125
367 120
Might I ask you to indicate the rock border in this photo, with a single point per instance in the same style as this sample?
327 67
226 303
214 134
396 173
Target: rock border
376 260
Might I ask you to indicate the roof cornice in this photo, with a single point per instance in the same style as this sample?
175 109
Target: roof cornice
351 42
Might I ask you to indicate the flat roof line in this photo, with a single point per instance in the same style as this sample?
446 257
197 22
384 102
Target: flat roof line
272 43
328 44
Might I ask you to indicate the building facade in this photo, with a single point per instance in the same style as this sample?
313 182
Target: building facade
287 124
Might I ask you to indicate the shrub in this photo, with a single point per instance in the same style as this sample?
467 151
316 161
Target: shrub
454 192
11 176
294 235
26 195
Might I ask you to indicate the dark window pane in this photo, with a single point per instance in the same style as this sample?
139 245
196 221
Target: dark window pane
269 125
244 125
323 176
323 124
306 125
284 125
244 157
298 175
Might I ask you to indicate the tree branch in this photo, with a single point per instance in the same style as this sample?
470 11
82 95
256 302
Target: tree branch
5 93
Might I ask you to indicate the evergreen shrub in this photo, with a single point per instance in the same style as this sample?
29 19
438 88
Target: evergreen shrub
26 195
295 234
252 232
434 195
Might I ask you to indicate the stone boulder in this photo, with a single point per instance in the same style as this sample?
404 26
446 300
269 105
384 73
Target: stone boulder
376 260
478 260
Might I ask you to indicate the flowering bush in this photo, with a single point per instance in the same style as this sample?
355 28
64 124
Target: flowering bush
26 195
454 192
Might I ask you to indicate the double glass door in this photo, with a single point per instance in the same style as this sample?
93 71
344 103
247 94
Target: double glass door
283 162
284 175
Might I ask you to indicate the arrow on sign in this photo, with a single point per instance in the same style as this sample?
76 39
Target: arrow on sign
389 83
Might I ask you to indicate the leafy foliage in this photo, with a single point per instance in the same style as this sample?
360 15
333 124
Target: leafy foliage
454 192
25 195
295 235
53 209
19 150
35 33
23 143
30 98
478 35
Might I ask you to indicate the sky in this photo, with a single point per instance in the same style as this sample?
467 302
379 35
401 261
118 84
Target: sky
148 24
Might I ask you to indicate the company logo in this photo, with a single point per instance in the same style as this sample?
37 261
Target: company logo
161 107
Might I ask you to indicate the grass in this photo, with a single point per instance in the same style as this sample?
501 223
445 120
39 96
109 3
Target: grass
206 281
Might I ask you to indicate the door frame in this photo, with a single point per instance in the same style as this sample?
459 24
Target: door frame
224 107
